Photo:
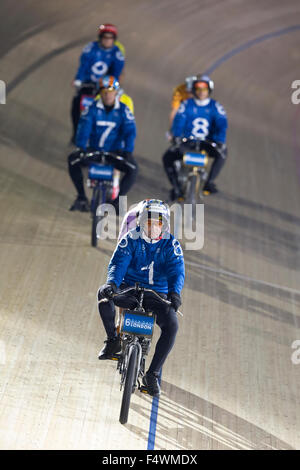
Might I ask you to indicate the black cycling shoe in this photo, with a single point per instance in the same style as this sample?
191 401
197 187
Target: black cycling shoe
150 380
209 188
112 346
175 194
80 204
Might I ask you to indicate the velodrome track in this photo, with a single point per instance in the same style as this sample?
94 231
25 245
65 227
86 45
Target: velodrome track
229 383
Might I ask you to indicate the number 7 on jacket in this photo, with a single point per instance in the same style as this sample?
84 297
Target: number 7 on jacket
110 125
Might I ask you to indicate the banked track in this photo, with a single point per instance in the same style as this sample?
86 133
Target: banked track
230 382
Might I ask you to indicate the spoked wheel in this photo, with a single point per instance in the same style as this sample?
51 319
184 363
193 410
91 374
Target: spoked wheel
129 384
191 194
95 218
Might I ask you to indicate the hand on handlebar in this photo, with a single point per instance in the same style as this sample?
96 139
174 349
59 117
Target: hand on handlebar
77 84
108 290
176 141
175 300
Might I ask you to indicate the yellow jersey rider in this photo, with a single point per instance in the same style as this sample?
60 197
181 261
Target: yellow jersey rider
123 98
180 93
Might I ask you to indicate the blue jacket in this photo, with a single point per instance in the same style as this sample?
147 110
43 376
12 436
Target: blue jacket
95 62
206 120
106 130
158 266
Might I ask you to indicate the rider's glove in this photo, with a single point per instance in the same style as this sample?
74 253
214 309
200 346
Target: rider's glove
176 141
222 149
123 153
168 136
107 290
77 83
220 145
175 300
80 151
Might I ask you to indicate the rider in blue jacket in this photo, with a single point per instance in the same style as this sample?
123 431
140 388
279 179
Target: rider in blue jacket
151 256
201 118
101 57
108 125
98 58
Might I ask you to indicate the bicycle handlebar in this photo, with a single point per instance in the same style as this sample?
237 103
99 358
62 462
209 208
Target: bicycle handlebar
144 289
101 153
191 139
82 154
128 289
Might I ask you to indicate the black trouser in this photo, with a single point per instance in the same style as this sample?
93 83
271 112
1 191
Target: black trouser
176 153
75 172
166 318
75 107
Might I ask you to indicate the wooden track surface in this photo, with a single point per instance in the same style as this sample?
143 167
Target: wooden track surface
229 383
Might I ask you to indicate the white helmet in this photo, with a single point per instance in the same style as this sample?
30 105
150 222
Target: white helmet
154 209
192 80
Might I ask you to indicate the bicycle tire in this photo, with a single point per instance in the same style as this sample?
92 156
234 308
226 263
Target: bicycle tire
191 197
95 218
128 385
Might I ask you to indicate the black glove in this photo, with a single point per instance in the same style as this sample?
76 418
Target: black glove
220 145
107 290
176 141
175 300
123 153
222 148
81 152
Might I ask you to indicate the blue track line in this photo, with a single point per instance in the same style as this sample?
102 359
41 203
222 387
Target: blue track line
248 44
153 420
214 66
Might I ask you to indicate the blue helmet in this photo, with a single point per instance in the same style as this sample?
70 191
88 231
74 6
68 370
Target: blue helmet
109 82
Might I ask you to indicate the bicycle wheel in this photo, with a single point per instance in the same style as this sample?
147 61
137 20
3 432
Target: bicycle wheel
95 204
129 384
100 192
191 197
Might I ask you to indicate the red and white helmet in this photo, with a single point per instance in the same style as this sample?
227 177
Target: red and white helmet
108 28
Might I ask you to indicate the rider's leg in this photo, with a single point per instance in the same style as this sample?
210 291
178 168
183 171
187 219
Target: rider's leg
107 313
75 114
168 323
112 344
169 157
130 170
107 309
75 172
219 155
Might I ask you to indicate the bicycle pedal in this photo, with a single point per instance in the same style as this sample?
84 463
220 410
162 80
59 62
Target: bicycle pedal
144 390
206 193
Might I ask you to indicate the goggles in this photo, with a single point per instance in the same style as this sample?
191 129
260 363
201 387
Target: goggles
110 88
201 86
107 36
